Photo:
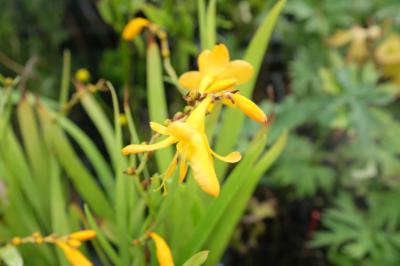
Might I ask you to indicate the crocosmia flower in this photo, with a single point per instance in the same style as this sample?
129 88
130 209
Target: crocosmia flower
192 148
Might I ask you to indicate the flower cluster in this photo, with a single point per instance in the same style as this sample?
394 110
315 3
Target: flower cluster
69 244
214 81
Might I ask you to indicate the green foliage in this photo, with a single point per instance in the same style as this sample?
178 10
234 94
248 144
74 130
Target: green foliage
368 235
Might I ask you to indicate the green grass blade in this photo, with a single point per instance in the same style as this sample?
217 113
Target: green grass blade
232 120
211 26
103 125
218 208
83 181
90 149
201 12
35 151
65 78
219 239
108 249
157 103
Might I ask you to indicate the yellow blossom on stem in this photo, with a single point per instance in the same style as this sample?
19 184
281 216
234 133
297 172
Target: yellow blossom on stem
215 66
192 147
83 75
217 76
164 255
134 28
73 255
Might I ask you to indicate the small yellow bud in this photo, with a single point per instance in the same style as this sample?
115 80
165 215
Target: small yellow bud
83 235
83 75
164 255
16 241
7 82
134 28
123 120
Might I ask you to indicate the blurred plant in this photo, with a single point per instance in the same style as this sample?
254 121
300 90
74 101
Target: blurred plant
57 167
364 235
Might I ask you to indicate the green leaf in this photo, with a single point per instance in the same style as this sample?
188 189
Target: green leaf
197 259
11 256
83 181
156 99
201 13
232 120
107 247
211 27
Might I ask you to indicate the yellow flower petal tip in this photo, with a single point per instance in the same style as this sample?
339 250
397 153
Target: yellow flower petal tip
134 28
250 108
164 254
73 255
83 235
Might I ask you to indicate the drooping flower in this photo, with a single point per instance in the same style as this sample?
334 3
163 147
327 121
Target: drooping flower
388 56
192 146
164 255
217 76
134 28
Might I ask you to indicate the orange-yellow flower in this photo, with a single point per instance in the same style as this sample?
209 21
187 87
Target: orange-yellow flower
164 255
216 68
218 76
134 28
73 255
192 146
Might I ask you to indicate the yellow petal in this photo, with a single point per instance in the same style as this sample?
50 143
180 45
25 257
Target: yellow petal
159 128
164 255
232 157
388 52
134 27
83 235
183 167
205 82
197 116
74 256
181 130
341 37
190 80
221 85
171 167
202 61
138 148
202 165
212 63
358 50
241 70
249 108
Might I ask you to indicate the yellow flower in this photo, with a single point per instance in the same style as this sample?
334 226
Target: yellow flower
82 75
215 68
164 255
192 146
357 37
134 28
218 75
83 235
388 55
73 255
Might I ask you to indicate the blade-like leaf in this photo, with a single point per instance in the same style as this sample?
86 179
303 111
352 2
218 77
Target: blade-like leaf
232 120
197 259
157 100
